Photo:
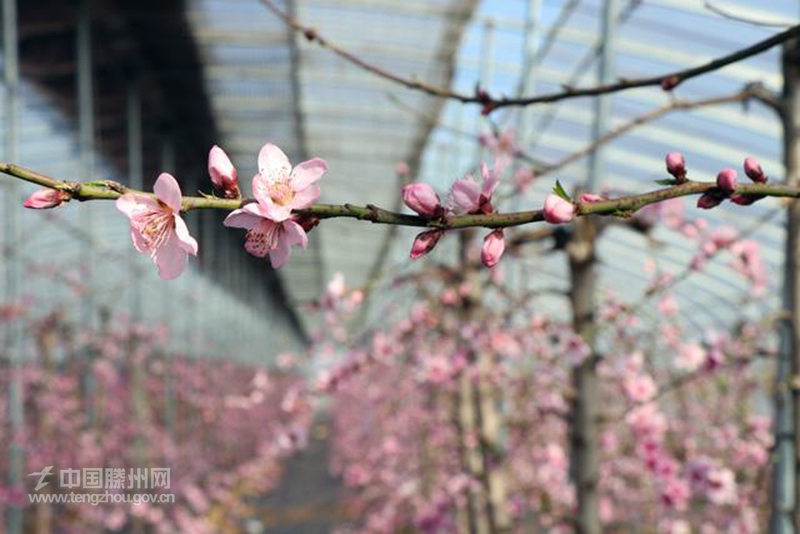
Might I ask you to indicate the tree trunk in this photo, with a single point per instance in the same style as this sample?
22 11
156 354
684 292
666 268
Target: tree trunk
584 379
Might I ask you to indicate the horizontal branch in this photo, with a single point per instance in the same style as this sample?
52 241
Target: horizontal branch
620 207
670 79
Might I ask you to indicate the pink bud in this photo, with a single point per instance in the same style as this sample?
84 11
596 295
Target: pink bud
752 168
422 199
557 210
494 244
726 180
676 165
47 198
425 242
586 198
223 173
708 201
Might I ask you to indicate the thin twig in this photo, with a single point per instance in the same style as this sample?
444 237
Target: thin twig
747 20
489 103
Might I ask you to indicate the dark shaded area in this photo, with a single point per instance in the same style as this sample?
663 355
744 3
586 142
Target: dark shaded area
150 41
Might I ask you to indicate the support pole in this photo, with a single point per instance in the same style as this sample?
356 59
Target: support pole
86 136
785 510
14 333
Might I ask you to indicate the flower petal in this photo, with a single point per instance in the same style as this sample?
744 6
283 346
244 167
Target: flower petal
273 211
243 218
259 239
306 197
280 255
308 172
168 191
273 163
132 205
186 241
294 234
170 258
491 179
465 195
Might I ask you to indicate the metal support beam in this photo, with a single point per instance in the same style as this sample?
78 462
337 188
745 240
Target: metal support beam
86 136
605 75
530 51
785 510
14 332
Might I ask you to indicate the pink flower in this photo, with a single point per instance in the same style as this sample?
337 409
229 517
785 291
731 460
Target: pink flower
557 210
424 243
402 169
279 189
157 228
46 198
422 199
586 198
691 357
726 180
223 173
467 196
266 236
494 244
676 165
752 168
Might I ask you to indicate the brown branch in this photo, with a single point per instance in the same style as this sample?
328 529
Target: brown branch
671 79
620 207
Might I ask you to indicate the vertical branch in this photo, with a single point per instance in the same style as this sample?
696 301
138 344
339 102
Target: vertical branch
584 439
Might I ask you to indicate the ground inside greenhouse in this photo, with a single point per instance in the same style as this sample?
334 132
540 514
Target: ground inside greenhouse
307 501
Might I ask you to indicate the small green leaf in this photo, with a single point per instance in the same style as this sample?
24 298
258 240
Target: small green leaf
668 181
558 189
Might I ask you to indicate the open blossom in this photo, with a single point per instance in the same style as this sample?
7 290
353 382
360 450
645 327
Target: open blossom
157 228
494 244
223 173
691 357
425 242
46 198
266 236
557 210
422 199
279 189
523 178
467 196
